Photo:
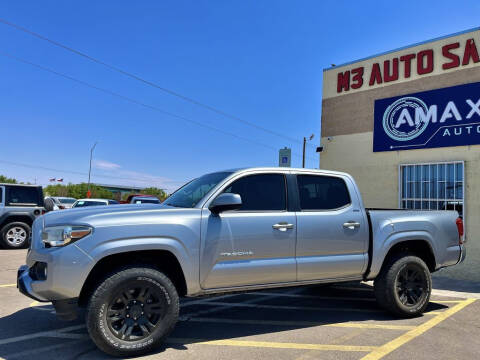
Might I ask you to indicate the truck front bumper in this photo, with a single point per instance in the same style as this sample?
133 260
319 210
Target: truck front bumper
66 309
24 284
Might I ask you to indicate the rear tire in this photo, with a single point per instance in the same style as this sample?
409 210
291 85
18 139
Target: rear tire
16 235
132 311
404 286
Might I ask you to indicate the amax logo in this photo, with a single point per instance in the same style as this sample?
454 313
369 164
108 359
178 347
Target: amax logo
437 118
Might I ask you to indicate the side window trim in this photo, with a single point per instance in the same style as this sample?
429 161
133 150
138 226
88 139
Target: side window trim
2 195
258 211
293 199
325 210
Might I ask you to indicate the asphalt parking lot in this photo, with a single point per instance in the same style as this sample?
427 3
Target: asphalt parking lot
340 322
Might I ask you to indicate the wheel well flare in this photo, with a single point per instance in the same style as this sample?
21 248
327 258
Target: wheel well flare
419 248
162 260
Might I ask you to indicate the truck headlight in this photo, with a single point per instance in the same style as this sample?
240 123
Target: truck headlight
56 236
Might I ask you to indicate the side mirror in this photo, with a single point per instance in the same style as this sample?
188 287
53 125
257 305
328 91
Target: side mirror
224 202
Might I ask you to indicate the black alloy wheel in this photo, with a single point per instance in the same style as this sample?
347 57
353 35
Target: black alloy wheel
135 311
410 285
404 285
132 310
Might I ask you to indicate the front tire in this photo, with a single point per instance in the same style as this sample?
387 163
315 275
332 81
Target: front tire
16 235
404 286
132 311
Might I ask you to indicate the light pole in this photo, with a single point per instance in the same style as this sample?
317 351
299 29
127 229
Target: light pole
90 168
304 145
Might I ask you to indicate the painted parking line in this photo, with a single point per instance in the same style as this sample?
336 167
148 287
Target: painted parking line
7 285
27 353
62 332
226 305
48 333
340 298
206 300
302 323
276 345
287 307
387 348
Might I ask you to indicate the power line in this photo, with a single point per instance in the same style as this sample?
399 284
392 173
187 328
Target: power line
149 83
138 179
129 99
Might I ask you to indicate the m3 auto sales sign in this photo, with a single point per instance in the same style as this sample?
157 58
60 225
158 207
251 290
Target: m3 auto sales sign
429 119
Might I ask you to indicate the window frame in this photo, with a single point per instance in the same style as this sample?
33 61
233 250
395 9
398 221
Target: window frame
241 176
2 195
429 199
7 196
322 210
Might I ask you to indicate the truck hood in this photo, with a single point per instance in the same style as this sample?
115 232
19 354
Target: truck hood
115 214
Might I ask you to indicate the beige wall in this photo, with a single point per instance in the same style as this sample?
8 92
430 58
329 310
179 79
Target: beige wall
347 138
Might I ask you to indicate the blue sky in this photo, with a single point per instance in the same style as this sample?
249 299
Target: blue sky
261 61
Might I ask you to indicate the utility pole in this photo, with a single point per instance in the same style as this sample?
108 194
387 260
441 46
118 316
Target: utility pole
90 168
304 146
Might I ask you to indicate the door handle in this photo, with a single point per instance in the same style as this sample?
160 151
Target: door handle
282 226
351 225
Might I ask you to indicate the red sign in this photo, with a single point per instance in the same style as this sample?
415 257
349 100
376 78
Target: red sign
424 64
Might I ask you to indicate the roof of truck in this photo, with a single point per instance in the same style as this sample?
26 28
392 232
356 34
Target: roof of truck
285 169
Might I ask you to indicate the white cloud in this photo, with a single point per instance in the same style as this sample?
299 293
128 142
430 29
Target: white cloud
113 174
105 165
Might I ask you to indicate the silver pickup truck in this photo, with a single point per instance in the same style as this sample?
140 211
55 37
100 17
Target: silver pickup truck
235 230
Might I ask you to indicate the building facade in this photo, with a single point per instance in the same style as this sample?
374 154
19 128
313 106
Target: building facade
406 125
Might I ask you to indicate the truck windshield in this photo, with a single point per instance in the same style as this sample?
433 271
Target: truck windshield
190 194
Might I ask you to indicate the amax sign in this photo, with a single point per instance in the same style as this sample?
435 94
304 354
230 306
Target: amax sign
429 119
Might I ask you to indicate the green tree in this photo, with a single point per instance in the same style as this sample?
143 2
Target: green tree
159 193
4 179
77 191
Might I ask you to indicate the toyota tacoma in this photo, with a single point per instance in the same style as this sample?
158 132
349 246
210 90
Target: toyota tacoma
236 230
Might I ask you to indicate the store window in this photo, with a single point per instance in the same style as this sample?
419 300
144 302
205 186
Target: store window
432 186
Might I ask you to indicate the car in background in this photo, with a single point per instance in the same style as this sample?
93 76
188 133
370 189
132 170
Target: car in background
145 199
61 202
141 199
93 202
19 206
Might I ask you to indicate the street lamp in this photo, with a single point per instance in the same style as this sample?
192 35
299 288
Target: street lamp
304 145
90 168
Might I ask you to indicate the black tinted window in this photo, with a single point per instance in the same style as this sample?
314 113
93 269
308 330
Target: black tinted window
22 195
322 192
260 192
1 195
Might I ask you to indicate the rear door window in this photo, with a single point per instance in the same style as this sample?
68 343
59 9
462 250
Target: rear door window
319 192
22 195
265 192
